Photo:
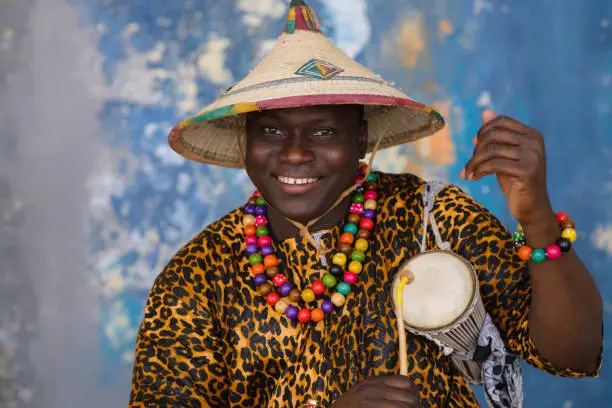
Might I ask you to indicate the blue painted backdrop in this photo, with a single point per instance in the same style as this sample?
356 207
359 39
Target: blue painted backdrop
131 69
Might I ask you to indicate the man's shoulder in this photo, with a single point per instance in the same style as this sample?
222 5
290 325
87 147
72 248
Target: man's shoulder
406 191
219 237
204 259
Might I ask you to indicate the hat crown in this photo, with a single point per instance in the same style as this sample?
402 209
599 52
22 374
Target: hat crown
301 17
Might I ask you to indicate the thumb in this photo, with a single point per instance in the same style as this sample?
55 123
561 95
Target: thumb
488 115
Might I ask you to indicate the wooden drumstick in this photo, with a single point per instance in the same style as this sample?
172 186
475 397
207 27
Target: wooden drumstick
405 278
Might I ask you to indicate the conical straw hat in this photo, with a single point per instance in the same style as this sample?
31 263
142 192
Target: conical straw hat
303 69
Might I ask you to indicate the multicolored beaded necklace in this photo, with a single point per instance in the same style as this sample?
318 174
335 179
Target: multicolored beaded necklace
352 246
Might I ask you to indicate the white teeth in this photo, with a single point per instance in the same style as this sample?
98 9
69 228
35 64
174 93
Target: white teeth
291 180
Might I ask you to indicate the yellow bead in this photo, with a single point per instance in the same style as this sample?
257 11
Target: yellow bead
570 234
339 259
369 205
338 299
355 266
361 244
281 306
248 220
308 295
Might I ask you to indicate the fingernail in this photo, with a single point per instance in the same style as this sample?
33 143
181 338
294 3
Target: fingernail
471 176
462 174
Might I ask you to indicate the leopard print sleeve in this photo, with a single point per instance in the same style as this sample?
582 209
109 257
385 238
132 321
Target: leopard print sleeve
505 283
180 353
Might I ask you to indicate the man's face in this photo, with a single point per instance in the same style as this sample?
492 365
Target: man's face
302 159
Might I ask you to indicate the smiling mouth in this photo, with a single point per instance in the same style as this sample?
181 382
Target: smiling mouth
293 181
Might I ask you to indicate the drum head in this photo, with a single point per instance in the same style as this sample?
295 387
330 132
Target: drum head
442 290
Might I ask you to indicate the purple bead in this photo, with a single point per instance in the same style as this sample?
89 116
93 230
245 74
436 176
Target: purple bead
252 249
285 288
291 312
260 279
250 209
327 306
371 214
267 250
261 210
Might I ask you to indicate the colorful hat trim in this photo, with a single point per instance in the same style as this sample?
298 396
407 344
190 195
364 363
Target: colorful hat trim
301 17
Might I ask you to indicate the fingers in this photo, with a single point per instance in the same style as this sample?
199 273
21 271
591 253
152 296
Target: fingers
499 144
502 138
498 166
503 122
488 115
391 391
376 403
400 382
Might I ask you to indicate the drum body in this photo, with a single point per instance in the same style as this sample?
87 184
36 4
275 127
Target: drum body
443 303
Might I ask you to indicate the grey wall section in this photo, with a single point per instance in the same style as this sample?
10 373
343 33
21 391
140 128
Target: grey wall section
49 143
93 203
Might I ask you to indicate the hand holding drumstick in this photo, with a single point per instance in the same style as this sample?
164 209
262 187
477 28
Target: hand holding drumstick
396 391
387 392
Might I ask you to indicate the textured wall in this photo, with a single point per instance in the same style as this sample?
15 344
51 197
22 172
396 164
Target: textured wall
93 203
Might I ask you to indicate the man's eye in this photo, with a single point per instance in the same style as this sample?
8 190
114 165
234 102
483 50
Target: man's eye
323 132
272 131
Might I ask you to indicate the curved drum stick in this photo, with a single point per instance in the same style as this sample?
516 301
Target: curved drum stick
406 277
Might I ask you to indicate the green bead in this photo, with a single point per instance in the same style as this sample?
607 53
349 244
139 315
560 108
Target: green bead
343 288
260 201
352 228
358 198
329 280
255 259
518 236
358 255
538 255
261 231
372 177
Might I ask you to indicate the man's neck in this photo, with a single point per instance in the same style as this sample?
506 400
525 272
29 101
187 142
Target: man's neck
283 229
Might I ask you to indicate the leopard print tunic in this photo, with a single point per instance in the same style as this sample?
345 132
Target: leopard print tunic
209 340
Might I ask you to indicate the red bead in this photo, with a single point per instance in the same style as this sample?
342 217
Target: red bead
370 195
264 240
350 277
272 298
261 221
251 240
553 251
561 216
363 168
356 208
279 279
256 193
318 287
304 315
358 180
366 223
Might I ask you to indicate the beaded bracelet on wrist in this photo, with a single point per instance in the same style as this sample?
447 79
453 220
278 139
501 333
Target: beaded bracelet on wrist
553 251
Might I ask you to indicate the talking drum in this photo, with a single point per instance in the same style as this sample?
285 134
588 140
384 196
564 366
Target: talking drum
436 295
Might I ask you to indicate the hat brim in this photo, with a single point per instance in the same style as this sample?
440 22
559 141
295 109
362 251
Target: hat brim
212 137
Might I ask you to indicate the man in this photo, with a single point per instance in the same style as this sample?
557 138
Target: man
286 302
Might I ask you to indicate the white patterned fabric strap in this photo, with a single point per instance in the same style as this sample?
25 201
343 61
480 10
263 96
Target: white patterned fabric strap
501 371
430 192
